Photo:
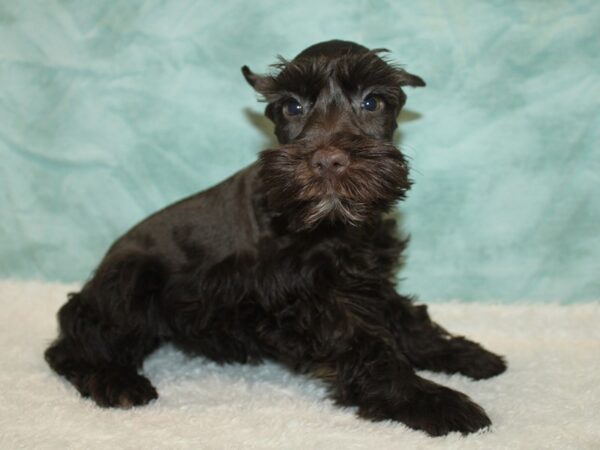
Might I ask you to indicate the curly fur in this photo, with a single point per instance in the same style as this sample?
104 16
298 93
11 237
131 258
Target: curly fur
377 178
281 263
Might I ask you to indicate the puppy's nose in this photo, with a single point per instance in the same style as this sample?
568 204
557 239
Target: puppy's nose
329 160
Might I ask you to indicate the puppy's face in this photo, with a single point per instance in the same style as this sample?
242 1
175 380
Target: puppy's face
334 107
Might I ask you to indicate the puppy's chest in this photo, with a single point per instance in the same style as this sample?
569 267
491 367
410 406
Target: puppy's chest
323 263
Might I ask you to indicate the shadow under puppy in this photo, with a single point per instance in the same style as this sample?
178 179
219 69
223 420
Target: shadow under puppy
291 259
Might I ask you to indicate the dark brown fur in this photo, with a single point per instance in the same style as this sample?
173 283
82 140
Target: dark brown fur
292 259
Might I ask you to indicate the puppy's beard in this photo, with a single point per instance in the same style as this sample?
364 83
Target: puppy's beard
332 208
375 179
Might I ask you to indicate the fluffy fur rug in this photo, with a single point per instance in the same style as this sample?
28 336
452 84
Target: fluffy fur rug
549 398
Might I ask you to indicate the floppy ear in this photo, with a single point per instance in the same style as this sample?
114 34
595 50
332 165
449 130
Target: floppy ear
408 79
263 84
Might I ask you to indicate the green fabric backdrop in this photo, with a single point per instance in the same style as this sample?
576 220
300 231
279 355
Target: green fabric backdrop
110 110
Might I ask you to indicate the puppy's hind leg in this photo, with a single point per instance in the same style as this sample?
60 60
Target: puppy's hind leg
108 328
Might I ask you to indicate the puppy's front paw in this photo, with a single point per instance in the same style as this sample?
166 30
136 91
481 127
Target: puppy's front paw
438 410
478 364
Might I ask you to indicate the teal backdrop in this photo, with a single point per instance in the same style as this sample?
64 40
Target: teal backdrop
110 110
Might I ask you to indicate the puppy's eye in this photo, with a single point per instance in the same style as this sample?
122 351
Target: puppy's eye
371 103
292 108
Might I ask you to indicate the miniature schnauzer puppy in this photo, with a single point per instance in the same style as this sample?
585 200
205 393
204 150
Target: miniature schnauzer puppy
292 260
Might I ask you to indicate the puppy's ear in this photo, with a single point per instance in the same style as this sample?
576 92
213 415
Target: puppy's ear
263 84
408 79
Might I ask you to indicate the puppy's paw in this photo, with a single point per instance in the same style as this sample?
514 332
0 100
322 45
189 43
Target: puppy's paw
478 364
438 410
120 388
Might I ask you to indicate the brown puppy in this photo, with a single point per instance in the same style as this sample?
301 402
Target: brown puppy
291 260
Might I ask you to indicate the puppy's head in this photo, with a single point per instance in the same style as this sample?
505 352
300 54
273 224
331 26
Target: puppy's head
334 107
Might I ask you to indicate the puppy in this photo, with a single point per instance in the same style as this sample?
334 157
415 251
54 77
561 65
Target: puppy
292 259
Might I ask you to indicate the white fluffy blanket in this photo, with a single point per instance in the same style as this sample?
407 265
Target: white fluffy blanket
549 398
